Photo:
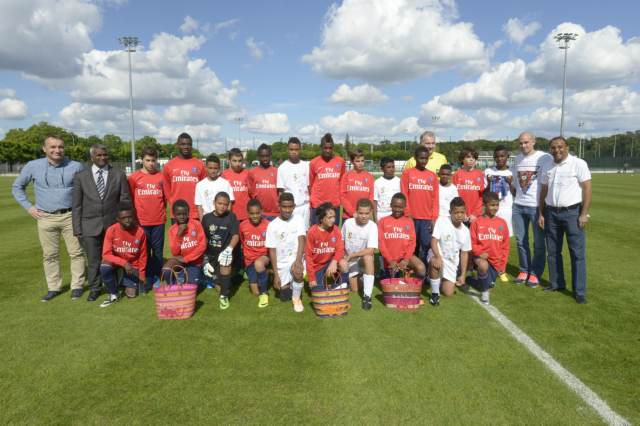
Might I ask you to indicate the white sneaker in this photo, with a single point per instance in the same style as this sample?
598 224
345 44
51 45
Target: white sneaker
109 301
297 305
484 298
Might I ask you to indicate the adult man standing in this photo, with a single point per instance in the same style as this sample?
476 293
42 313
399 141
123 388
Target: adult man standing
565 198
526 170
97 191
52 179
428 140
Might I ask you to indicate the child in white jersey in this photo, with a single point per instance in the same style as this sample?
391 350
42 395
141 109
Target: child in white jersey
384 188
498 179
448 190
293 177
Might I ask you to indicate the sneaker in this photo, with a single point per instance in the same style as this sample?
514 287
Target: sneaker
297 305
263 300
581 300
76 293
504 277
532 281
521 278
484 298
109 301
50 295
224 302
366 303
434 299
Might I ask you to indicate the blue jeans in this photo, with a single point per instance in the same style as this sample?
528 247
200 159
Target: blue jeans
109 277
424 229
155 247
557 224
522 217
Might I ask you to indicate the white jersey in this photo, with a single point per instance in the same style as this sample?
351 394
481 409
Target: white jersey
525 173
357 238
283 236
446 194
496 181
383 191
207 189
451 239
294 178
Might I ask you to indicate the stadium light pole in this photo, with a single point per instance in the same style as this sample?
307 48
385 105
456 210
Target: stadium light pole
130 43
580 149
566 38
239 120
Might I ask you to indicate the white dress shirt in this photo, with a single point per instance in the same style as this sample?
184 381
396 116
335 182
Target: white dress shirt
563 181
105 174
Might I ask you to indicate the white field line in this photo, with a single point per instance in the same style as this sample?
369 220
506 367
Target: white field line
590 397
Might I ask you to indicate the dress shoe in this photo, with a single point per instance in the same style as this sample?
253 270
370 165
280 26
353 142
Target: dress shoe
50 295
581 300
93 296
76 293
553 288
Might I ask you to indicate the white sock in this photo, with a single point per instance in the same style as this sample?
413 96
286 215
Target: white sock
367 281
435 285
296 289
485 295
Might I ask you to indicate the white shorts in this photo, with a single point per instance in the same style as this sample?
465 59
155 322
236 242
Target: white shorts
304 212
284 271
356 267
449 269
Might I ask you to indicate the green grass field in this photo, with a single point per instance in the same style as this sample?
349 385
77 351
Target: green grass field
68 362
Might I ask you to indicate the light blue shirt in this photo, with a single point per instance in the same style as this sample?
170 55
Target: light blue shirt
53 185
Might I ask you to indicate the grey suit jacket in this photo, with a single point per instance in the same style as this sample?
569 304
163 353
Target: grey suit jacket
90 214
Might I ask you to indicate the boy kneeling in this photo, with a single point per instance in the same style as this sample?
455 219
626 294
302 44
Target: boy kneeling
253 234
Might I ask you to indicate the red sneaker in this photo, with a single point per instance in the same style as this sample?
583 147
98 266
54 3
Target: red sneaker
532 281
521 278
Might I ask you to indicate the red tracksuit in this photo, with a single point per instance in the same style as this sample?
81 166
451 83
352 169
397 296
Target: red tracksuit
470 185
491 235
190 245
262 186
396 238
150 193
324 180
252 238
182 176
321 248
122 246
355 186
240 184
422 191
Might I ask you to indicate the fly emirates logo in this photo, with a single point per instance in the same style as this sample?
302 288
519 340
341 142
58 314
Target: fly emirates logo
397 233
188 243
357 185
420 184
328 173
323 249
265 184
238 186
126 247
255 241
468 185
149 189
490 234
184 176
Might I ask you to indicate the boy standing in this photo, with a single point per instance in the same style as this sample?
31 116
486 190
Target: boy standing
498 179
448 191
293 177
470 183
325 175
384 188
209 187
238 178
262 183
253 233
356 184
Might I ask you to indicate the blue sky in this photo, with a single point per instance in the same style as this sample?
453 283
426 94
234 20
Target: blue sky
373 69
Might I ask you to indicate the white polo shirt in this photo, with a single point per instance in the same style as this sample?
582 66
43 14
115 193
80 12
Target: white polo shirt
563 181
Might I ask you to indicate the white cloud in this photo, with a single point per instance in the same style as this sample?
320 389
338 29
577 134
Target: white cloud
393 40
189 25
447 116
357 124
12 109
223 25
7 93
191 114
98 119
490 116
256 48
46 38
408 126
270 123
311 131
201 134
359 95
476 134
543 121
518 31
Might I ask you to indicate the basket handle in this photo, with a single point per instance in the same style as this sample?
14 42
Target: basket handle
175 270
335 277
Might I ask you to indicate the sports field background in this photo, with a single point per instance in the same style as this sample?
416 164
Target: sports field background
68 362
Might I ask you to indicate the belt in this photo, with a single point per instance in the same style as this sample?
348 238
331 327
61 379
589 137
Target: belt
564 209
60 211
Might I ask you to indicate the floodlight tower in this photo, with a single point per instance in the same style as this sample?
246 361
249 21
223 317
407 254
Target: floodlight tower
239 120
566 38
129 44
580 149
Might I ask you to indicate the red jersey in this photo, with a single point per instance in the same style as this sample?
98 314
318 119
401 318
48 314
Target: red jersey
123 246
252 238
149 192
422 190
321 248
240 184
396 238
470 185
190 245
355 186
491 235
262 186
182 176
324 180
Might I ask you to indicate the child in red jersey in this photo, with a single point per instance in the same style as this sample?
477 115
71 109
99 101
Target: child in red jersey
253 234
262 183
187 243
397 240
125 246
324 250
489 245
325 175
238 178
182 173
422 189
470 183
150 192
356 184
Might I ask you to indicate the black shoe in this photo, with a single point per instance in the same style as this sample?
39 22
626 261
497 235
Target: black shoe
76 293
93 296
553 288
581 300
366 303
50 295
434 299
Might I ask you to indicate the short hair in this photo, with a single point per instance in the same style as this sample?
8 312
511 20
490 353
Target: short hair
386 160
558 138
254 202
184 135
356 154
527 133
294 140
179 204
149 152
419 150
95 147
467 151
489 196
500 148
263 147
323 209
327 138
222 194
125 206
51 136
234 152
456 202
364 202
213 159
446 166
427 134
285 196
399 196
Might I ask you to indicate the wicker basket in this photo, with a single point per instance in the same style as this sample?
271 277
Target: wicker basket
176 301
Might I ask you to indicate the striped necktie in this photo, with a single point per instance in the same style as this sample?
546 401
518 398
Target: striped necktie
100 184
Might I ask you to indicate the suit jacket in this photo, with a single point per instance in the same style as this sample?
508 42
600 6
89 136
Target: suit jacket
91 215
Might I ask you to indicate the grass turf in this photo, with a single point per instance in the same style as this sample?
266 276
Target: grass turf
72 362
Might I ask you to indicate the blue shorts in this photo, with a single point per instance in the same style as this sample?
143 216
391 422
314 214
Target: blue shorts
252 274
424 229
320 274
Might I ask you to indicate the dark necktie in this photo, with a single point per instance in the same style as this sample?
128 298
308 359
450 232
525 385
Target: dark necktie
100 185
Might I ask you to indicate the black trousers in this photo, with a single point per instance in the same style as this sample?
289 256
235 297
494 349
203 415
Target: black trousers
93 248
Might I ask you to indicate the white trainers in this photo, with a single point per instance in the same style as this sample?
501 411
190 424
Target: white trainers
111 299
297 305
484 298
